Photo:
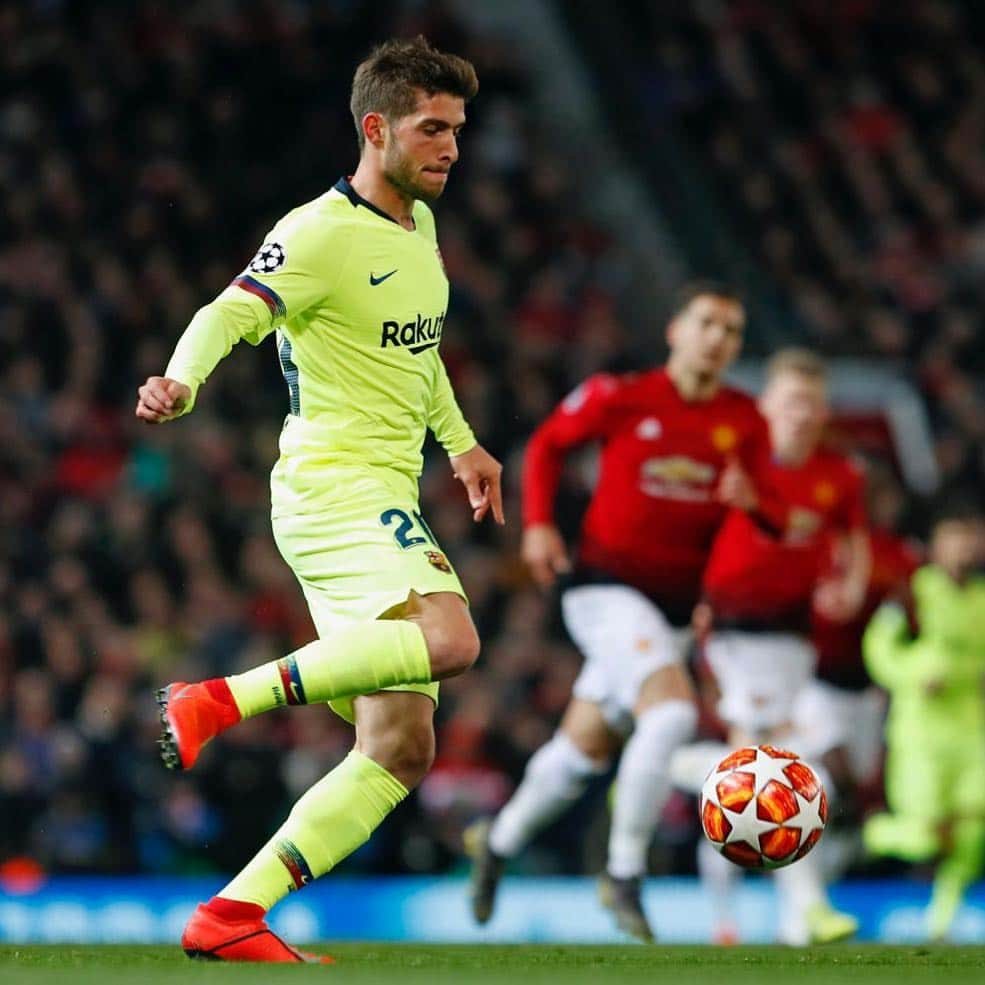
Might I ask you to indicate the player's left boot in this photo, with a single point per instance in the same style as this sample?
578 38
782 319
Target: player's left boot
622 897
191 715
943 908
826 925
487 869
209 937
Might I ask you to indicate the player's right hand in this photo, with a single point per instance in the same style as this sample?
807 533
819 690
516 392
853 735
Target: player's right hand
702 620
161 399
837 600
544 553
736 488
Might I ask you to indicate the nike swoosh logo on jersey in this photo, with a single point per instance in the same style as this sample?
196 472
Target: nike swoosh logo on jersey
373 281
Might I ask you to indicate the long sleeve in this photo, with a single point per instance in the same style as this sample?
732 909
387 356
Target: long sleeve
446 419
772 512
297 266
212 333
579 418
886 646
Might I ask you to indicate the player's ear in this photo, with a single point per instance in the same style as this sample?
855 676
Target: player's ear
374 126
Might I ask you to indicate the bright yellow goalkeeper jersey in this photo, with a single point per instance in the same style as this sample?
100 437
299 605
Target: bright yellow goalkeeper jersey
358 304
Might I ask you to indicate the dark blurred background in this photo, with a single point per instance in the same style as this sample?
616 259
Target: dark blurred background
825 156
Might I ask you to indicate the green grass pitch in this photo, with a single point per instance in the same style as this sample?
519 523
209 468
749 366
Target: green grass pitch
410 964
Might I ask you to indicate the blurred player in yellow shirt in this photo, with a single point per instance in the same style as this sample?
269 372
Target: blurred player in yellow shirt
932 662
353 285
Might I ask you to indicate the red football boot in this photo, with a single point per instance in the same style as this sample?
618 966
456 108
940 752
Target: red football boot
191 714
210 938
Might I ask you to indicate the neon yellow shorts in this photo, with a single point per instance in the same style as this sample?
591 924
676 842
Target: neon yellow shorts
363 555
935 784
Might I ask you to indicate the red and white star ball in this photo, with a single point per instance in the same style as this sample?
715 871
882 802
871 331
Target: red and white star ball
763 807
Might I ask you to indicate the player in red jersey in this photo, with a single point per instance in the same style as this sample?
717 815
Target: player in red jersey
762 590
677 449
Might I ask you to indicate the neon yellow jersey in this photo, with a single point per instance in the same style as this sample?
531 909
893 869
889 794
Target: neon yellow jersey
936 678
358 305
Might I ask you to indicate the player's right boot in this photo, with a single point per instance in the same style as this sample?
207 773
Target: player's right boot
209 937
623 898
487 869
826 925
190 716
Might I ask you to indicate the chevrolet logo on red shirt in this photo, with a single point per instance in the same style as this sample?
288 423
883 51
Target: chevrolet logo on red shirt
679 468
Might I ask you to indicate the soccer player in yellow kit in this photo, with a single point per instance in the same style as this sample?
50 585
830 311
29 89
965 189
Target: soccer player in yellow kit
353 285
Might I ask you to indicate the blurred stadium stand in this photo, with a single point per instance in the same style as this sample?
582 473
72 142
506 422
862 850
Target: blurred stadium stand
828 159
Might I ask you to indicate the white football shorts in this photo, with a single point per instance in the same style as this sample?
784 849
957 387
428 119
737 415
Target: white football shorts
759 676
826 717
624 638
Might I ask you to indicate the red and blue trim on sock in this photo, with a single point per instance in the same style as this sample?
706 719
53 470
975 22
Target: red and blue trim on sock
295 863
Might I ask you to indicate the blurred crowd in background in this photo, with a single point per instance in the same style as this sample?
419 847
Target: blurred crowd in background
145 148
842 141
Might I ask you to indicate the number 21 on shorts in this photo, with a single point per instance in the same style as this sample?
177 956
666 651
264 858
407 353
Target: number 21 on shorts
404 527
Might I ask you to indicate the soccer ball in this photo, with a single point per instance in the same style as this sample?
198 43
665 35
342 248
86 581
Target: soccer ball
763 808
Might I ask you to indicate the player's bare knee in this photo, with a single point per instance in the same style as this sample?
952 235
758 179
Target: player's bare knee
669 683
596 743
598 747
453 646
588 732
467 646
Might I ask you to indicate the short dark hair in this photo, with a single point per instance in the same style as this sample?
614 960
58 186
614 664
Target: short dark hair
701 288
958 506
387 80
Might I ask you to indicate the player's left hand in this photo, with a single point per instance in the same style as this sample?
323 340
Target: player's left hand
480 473
702 620
736 488
161 399
836 600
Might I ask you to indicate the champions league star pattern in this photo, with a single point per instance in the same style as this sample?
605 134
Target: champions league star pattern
763 807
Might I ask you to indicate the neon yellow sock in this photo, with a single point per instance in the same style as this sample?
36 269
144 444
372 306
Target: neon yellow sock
956 872
362 659
328 823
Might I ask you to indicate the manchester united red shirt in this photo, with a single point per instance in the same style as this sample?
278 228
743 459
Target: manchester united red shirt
654 512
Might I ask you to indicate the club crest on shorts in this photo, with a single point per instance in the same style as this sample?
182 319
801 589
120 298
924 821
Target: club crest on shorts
437 560
270 257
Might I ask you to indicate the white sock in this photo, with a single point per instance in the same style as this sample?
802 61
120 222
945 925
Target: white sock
643 783
799 887
690 764
718 878
554 779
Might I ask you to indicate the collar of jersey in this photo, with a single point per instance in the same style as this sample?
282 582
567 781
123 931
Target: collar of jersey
345 187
